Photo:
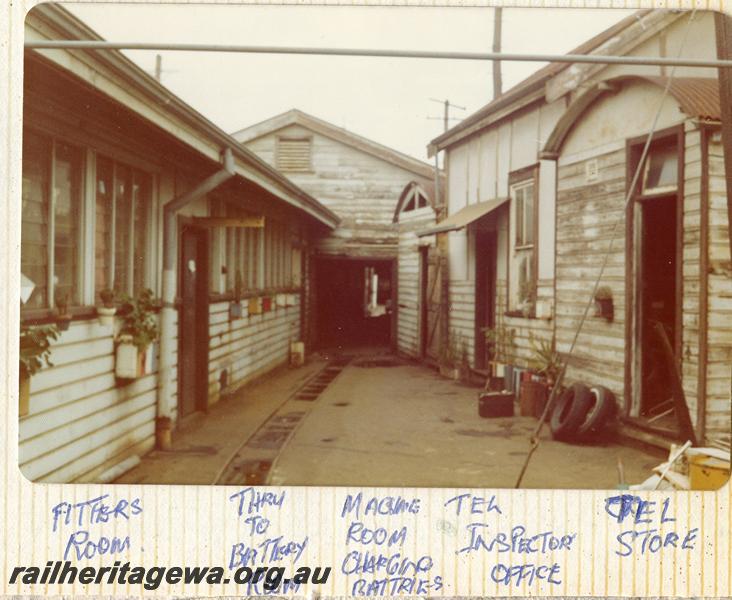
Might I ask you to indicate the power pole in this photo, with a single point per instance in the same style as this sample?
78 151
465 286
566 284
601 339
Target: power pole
497 22
446 112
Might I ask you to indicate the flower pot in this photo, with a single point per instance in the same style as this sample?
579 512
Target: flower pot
255 306
106 315
24 395
532 398
130 362
499 369
266 304
604 308
297 354
235 310
63 322
163 433
281 300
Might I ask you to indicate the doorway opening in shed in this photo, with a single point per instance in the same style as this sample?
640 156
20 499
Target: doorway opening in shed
485 294
658 235
354 300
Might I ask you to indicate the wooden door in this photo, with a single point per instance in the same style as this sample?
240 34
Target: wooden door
193 322
431 303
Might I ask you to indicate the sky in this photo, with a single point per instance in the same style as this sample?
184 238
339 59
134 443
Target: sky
385 99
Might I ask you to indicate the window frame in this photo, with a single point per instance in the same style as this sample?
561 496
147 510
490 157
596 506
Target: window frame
520 179
86 285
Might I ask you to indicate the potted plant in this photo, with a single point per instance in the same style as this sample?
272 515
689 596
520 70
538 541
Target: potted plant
138 331
452 356
35 352
501 341
235 308
63 317
604 303
545 363
108 309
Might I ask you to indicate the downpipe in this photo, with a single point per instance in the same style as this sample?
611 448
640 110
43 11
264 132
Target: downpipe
166 388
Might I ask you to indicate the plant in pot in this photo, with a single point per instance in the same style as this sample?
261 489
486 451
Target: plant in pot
501 342
35 352
604 303
545 363
63 316
235 308
108 309
138 331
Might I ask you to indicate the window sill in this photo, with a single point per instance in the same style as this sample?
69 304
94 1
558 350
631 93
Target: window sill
46 316
517 314
230 297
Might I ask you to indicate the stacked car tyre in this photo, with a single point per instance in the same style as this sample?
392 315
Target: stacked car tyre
582 413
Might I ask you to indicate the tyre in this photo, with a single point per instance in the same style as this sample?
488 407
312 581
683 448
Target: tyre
570 412
599 414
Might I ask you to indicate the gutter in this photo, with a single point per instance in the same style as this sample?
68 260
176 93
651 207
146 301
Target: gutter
261 173
170 245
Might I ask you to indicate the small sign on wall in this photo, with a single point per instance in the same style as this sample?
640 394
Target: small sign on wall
592 171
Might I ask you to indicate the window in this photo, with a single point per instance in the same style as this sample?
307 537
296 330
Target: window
522 290
661 171
415 199
123 200
51 223
294 154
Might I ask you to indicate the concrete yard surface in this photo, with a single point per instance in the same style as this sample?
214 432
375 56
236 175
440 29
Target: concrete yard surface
405 425
375 421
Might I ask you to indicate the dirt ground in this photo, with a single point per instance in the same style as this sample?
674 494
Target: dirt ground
375 422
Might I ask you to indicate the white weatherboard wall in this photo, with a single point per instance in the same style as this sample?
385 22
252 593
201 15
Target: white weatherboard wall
81 422
479 170
360 188
249 346
719 343
408 316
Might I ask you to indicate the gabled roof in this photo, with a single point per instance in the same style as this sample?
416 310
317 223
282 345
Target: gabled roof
533 86
64 25
298 117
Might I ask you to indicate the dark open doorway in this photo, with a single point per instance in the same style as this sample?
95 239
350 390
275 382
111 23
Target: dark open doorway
193 325
355 300
657 301
485 293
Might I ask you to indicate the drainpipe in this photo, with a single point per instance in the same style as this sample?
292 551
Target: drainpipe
167 317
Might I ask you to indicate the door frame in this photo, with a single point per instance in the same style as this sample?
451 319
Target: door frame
485 298
633 364
202 300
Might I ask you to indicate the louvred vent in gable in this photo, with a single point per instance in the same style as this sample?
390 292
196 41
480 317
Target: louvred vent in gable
293 154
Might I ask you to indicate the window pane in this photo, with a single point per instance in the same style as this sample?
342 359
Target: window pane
661 171
67 212
123 222
141 194
34 232
519 195
529 215
103 227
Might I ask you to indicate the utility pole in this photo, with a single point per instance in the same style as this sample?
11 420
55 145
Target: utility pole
497 23
446 112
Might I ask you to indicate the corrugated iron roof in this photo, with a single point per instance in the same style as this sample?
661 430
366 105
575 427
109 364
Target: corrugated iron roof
697 96
465 216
